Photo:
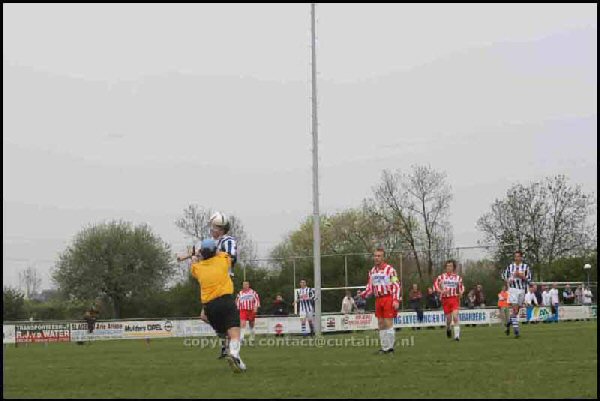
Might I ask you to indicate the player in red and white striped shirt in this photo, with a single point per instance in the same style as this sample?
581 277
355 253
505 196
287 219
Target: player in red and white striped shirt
451 287
385 286
247 302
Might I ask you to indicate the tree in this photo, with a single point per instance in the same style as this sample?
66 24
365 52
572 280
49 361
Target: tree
390 204
114 260
13 304
430 197
30 280
195 224
571 268
416 207
548 219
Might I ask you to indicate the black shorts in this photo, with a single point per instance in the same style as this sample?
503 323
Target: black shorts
222 314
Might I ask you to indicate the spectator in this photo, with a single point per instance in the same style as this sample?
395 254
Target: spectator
578 295
359 302
587 296
538 294
546 301
568 296
90 318
470 301
348 304
433 299
530 301
479 297
414 297
279 306
554 301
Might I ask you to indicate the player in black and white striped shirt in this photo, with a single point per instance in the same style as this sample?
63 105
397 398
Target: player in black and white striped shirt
517 276
305 299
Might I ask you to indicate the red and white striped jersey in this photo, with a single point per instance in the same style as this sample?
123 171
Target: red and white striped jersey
449 285
383 280
247 300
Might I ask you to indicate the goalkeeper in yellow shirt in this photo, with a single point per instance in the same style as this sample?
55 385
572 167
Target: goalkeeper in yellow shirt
216 294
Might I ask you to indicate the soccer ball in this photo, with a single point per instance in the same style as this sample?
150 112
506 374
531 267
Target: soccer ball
218 219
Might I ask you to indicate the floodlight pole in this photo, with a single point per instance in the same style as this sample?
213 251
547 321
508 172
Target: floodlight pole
587 267
316 217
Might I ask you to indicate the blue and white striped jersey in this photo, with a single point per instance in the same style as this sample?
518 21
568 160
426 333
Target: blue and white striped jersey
305 298
227 244
516 282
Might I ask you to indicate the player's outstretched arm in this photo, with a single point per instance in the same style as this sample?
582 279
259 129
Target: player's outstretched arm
181 258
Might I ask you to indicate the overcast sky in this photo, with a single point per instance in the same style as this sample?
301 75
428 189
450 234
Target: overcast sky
134 111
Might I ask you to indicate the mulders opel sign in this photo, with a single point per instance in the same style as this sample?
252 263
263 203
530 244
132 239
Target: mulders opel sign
144 329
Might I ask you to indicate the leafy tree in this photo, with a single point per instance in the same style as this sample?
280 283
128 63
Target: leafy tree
114 260
571 268
13 304
352 231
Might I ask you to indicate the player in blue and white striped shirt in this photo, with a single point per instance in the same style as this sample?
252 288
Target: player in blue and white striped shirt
305 299
517 276
219 229
226 243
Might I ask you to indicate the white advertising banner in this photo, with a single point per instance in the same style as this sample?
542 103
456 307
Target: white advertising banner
131 329
192 328
102 331
8 333
571 312
278 325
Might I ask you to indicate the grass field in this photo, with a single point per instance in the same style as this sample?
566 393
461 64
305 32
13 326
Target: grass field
549 360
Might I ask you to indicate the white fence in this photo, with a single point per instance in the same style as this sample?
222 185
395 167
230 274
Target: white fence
32 332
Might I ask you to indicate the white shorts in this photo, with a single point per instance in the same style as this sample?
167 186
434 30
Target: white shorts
516 296
307 315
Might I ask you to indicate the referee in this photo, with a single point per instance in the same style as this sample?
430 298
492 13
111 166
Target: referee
216 289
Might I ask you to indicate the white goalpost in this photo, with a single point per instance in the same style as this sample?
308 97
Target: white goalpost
358 287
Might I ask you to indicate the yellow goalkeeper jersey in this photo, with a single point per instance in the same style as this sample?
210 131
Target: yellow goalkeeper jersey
213 276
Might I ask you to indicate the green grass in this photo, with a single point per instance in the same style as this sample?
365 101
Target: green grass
549 360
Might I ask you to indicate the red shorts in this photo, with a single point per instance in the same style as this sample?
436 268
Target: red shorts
247 314
384 307
450 304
